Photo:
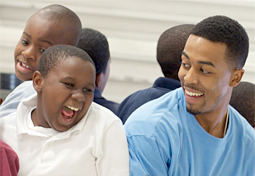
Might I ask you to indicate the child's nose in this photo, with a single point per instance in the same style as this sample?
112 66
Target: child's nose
78 95
29 53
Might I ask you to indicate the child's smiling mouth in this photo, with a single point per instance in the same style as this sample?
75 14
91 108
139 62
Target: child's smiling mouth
68 114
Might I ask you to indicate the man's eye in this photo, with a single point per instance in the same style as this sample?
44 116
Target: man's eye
204 71
185 65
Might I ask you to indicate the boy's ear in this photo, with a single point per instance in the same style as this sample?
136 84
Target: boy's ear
98 80
236 78
38 81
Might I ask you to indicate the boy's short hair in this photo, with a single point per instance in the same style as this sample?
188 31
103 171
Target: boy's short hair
52 56
243 100
228 31
169 49
59 13
96 45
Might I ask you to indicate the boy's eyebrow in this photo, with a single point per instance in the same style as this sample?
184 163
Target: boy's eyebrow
27 34
200 62
46 41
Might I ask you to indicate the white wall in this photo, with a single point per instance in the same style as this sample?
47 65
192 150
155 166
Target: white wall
132 28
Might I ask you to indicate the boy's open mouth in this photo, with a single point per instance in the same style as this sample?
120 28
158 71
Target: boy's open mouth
69 112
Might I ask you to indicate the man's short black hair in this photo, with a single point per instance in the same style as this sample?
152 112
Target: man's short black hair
226 30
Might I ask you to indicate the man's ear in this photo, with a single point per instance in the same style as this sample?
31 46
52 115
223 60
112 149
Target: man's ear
38 81
236 78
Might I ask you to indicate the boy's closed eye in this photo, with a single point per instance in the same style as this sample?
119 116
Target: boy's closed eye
87 90
70 85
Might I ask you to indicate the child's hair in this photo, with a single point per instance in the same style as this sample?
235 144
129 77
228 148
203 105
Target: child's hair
96 45
54 54
169 49
59 13
243 100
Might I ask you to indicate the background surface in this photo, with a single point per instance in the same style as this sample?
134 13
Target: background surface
132 29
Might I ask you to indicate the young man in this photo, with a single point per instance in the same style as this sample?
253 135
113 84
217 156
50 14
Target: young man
193 130
169 49
96 45
51 25
59 130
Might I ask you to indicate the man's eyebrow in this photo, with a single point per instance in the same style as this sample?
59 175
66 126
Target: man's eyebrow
185 54
200 62
207 63
46 41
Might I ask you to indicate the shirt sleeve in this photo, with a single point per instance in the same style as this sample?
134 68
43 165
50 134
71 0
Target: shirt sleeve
9 162
115 159
13 99
147 157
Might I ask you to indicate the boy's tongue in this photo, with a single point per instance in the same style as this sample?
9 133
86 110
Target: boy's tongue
67 112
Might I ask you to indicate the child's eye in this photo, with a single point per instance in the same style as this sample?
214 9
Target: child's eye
42 50
24 42
69 84
87 90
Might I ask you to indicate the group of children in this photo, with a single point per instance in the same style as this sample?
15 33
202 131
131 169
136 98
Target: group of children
59 130
51 126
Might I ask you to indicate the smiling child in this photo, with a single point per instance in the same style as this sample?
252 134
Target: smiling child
51 25
59 130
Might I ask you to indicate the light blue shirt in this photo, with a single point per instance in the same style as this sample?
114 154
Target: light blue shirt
165 140
12 101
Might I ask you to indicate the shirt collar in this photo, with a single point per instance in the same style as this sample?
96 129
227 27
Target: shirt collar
24 112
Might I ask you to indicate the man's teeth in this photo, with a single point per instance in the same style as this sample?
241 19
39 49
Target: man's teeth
193 93
24 65
73 108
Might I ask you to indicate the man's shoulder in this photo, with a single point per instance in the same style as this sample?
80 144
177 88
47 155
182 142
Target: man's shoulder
156 114
242 127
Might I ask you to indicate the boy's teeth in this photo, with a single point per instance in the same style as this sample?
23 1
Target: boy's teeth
73 108
24 65
193 93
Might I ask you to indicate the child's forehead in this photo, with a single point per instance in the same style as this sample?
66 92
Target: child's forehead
48 30
74 62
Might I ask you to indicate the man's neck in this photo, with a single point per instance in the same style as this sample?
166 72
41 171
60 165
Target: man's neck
214 123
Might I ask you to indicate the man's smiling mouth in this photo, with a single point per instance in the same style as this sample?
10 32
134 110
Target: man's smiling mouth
193 93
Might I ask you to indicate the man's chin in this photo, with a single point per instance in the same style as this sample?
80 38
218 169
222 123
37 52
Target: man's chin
193 111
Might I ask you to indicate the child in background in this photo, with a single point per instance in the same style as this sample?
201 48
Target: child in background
59 130
96 45
51 25
9 161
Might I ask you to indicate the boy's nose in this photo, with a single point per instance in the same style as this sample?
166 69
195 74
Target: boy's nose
78 95
29 53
